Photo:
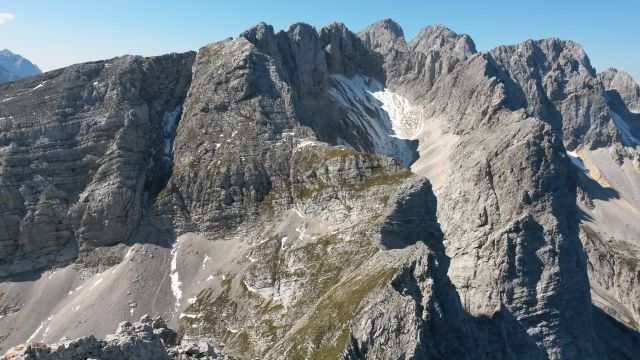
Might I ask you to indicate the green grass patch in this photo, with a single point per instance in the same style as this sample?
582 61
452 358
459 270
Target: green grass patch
325 332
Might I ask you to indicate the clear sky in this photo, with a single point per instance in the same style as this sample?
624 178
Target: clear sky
58 33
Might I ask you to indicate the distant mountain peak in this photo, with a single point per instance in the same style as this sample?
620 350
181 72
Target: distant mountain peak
14 66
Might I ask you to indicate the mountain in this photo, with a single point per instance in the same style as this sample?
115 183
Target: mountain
326 194
14 67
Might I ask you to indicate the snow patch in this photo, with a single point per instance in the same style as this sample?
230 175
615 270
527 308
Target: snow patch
299 214
205 260
385 116
305 143
400 112
175 277
252 289
190 315
210 277
302 232
96 283
33 336
575 159
39 86
169 123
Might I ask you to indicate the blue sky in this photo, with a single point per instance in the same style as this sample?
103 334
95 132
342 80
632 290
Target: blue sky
58 33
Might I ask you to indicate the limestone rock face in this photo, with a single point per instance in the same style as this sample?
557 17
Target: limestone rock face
81 149
324 194
622 83
559 86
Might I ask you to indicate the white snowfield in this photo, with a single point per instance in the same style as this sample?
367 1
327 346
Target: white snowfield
395 121
387 117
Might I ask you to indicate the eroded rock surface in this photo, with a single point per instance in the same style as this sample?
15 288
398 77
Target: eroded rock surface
146 339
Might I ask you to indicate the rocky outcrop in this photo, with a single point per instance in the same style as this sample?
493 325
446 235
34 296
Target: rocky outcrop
620 82
560 87
614 270
505 222
504 248
147 339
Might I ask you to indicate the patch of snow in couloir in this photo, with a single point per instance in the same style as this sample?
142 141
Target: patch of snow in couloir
575 160
385 116
175 277
169 123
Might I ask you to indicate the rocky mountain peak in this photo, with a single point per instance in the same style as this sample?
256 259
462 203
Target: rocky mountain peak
545 55
383 36
624 85
440 38
14 66
302 32
554 81
258 32
387 25
346 53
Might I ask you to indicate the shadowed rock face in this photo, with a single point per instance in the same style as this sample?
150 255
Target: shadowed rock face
293 237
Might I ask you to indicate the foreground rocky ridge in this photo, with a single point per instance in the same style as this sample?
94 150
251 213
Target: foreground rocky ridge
147 339
255 212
